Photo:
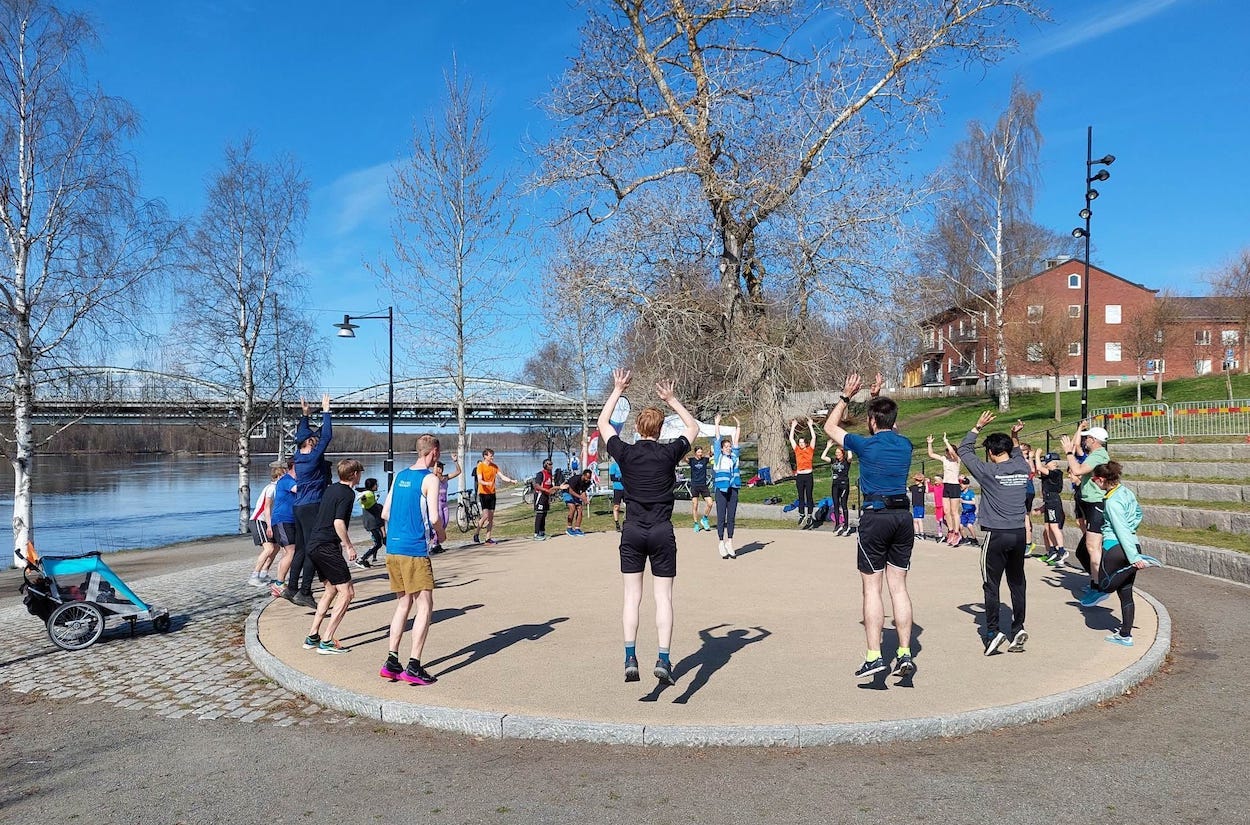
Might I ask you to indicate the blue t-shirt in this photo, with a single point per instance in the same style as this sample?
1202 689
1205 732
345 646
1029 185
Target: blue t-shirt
284 500
407 529
614 473
884 462
966 499
312 471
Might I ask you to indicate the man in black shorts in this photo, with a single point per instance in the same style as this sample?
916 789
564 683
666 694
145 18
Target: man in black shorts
325 546
885 535
700 489
648 471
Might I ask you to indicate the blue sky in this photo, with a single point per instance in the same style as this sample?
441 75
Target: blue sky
1163 82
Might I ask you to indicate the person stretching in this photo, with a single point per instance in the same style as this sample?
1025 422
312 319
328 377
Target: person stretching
1093 442
885 537
326 544
1121 552
804 480
727 480
413 519
649 472
1004 482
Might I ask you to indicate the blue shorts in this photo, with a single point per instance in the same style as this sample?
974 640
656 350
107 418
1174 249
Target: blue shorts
918 511
968 518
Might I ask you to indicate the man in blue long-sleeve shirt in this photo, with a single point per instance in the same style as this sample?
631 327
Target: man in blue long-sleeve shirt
312 476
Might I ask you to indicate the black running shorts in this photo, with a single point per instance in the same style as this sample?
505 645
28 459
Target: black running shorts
950 490
330 565
700 492
486 500
258 532
1052 511
284 534
1093 511
618 497
884 537
656 542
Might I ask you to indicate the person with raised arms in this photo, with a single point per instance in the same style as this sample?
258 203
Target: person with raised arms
885 537
649 472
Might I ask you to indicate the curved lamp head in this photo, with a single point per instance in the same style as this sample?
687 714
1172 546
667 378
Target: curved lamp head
1105 160
347 329
1091 194
1080 232
1085 214
1103 174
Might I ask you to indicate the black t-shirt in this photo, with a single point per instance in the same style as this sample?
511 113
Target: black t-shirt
1052 484
917 495
578 484
698 471
335 504
648 471
841 471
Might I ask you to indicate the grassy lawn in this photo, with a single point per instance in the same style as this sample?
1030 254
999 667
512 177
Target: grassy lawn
1229 506
1205 538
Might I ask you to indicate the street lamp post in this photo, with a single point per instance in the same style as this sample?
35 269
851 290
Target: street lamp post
1083 232
348 330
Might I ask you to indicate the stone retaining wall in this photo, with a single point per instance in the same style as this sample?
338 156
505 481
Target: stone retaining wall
1180 452
1196 492
1225 520
1234 471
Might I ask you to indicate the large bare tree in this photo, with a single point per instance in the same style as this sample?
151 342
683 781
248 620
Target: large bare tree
1232 283
1042 345
240 293
994 175
79 241
453 241
742 104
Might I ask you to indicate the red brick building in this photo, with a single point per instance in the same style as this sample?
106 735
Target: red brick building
1132 332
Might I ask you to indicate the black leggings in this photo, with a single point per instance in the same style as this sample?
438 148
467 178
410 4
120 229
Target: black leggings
841 497
806 484
726 511
378 541
300 579
1118 580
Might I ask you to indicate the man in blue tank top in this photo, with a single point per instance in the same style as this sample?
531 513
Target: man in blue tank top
412 520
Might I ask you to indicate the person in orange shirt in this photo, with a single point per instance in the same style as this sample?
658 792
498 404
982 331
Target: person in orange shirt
804 449
487 474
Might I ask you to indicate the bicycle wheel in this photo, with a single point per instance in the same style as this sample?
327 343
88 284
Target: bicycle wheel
75 625
462 516
528 496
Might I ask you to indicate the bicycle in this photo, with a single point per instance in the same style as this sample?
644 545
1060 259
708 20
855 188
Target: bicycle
468 511
527 493
681 488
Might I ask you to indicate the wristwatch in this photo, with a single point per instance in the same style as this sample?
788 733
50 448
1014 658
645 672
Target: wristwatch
845 400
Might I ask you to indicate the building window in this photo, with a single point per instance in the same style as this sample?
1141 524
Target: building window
1202 366
1074 348
929 338
1074 310
1074 281
1035 312
1155 365
1113 313
1202 338
1230 338
1112 351
1034 352
1073 383
1112 382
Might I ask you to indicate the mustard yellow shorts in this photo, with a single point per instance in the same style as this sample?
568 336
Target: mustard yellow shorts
409 574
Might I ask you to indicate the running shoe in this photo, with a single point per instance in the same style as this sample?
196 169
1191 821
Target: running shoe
568 531
1029 548
697 527
476 540
993 643
540 537
254 580
311 642
330 647
391 670
703 522
1117 639
365 563
436 549
664 672
1050 557
729 549
724 554
904 666
417 676
871 668
1017 644
631 669
281 592
618 526
578 531
1062 557
304 600
491 541
1092 597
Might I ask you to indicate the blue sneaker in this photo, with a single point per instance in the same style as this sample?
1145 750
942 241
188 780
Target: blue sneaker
1092 597
697 526
703 522
1122 641
569 531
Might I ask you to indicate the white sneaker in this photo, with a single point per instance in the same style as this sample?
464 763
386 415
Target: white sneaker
724 552
255 581
729 549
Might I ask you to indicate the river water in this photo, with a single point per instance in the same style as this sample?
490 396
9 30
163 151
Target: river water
115 502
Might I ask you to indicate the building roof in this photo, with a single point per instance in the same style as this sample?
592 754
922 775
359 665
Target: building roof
1205 308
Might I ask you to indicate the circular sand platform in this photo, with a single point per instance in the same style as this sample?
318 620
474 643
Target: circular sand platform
526 642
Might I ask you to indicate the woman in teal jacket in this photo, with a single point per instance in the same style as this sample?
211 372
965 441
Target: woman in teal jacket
727 480
1121 551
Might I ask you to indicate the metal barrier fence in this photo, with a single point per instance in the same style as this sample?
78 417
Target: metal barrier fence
1179 420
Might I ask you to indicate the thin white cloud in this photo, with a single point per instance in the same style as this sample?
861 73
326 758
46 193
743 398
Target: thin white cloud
355 199
1095 25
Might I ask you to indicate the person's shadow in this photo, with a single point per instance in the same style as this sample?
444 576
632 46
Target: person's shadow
497 641
751 548
889 641
440 615
712 655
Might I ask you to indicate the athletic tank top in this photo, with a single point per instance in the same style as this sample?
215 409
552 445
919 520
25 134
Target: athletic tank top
407 529
950 471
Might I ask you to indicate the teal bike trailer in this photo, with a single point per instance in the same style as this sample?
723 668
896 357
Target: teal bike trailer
76 595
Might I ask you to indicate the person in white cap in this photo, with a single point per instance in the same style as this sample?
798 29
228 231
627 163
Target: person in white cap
1093 442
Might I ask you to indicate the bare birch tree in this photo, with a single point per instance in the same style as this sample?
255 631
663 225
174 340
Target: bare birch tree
994 172
78 239
742 104
240 292
453 236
